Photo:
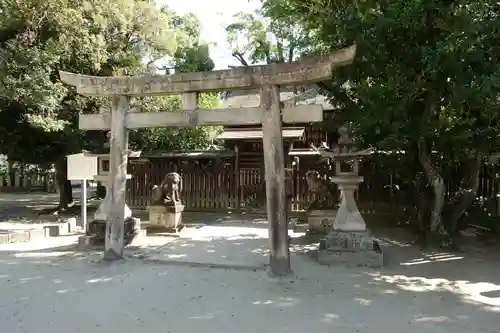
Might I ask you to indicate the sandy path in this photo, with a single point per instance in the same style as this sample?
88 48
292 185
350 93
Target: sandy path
60 292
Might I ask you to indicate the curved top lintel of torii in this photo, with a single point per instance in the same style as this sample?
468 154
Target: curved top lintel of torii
305 70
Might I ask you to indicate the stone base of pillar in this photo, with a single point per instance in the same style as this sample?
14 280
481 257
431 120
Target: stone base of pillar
165 218
351 248
97 230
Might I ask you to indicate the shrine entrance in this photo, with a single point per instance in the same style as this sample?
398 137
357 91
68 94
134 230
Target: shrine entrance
270 115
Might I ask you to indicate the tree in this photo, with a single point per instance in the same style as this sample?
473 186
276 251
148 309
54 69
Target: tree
39 114
174 138
255 38
424 80
192 55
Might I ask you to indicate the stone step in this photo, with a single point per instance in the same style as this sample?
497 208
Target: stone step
65 228
23 234
20 236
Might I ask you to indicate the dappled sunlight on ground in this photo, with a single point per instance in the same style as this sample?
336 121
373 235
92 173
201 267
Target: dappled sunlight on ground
430 297
41 244
468 291
64 289
409 275
427 259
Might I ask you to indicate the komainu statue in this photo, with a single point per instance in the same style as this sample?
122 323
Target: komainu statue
168 191
322 189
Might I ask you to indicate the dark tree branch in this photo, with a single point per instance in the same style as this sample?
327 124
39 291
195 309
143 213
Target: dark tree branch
291 52
240 58
281 56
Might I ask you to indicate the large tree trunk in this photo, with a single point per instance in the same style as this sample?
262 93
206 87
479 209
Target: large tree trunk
423 205
64 185
422 199
438 187
436 182
468 191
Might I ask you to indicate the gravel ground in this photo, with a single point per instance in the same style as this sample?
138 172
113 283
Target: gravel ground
62 291
47 291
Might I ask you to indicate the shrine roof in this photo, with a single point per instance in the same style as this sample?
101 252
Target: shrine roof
302 152
256 133
193 154
307 94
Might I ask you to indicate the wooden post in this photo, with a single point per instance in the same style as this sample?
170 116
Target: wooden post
26 182
10 167
498 198
115 225
17 178
275 181
83 205
237 178
297 183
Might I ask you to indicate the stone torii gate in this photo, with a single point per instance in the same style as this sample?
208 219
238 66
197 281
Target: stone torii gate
270 114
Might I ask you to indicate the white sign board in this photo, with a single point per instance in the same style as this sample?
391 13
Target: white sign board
81 166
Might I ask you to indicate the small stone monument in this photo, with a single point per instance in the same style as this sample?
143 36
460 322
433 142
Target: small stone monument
165 210
348 240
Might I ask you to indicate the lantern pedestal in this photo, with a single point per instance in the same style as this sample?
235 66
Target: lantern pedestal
349 242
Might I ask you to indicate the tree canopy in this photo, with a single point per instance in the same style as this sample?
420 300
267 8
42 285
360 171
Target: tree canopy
38 114
256 38
425 81
37 39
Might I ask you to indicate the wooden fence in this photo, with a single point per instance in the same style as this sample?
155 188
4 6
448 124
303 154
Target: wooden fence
385 190
251 185
28 181
207 184
215 184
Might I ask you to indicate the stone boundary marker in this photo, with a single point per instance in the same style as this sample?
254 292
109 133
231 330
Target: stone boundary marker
47 230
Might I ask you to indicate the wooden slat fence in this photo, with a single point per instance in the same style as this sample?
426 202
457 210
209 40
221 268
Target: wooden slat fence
28 181
212 185
206 184
251 185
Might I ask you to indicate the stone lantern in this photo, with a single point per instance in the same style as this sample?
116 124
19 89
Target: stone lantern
97 227
348 240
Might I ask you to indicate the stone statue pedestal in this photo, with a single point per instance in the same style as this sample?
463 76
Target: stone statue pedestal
97 228
321 221
349 242
168 218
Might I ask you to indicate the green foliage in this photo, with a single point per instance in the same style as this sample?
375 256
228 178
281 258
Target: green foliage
193 59
255 38
174 138
38 38
425 80
423 69
190 56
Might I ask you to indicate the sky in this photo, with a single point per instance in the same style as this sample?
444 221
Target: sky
214 15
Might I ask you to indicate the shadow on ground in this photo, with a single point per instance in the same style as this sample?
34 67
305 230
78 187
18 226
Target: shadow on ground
415 292
38 207
471 276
